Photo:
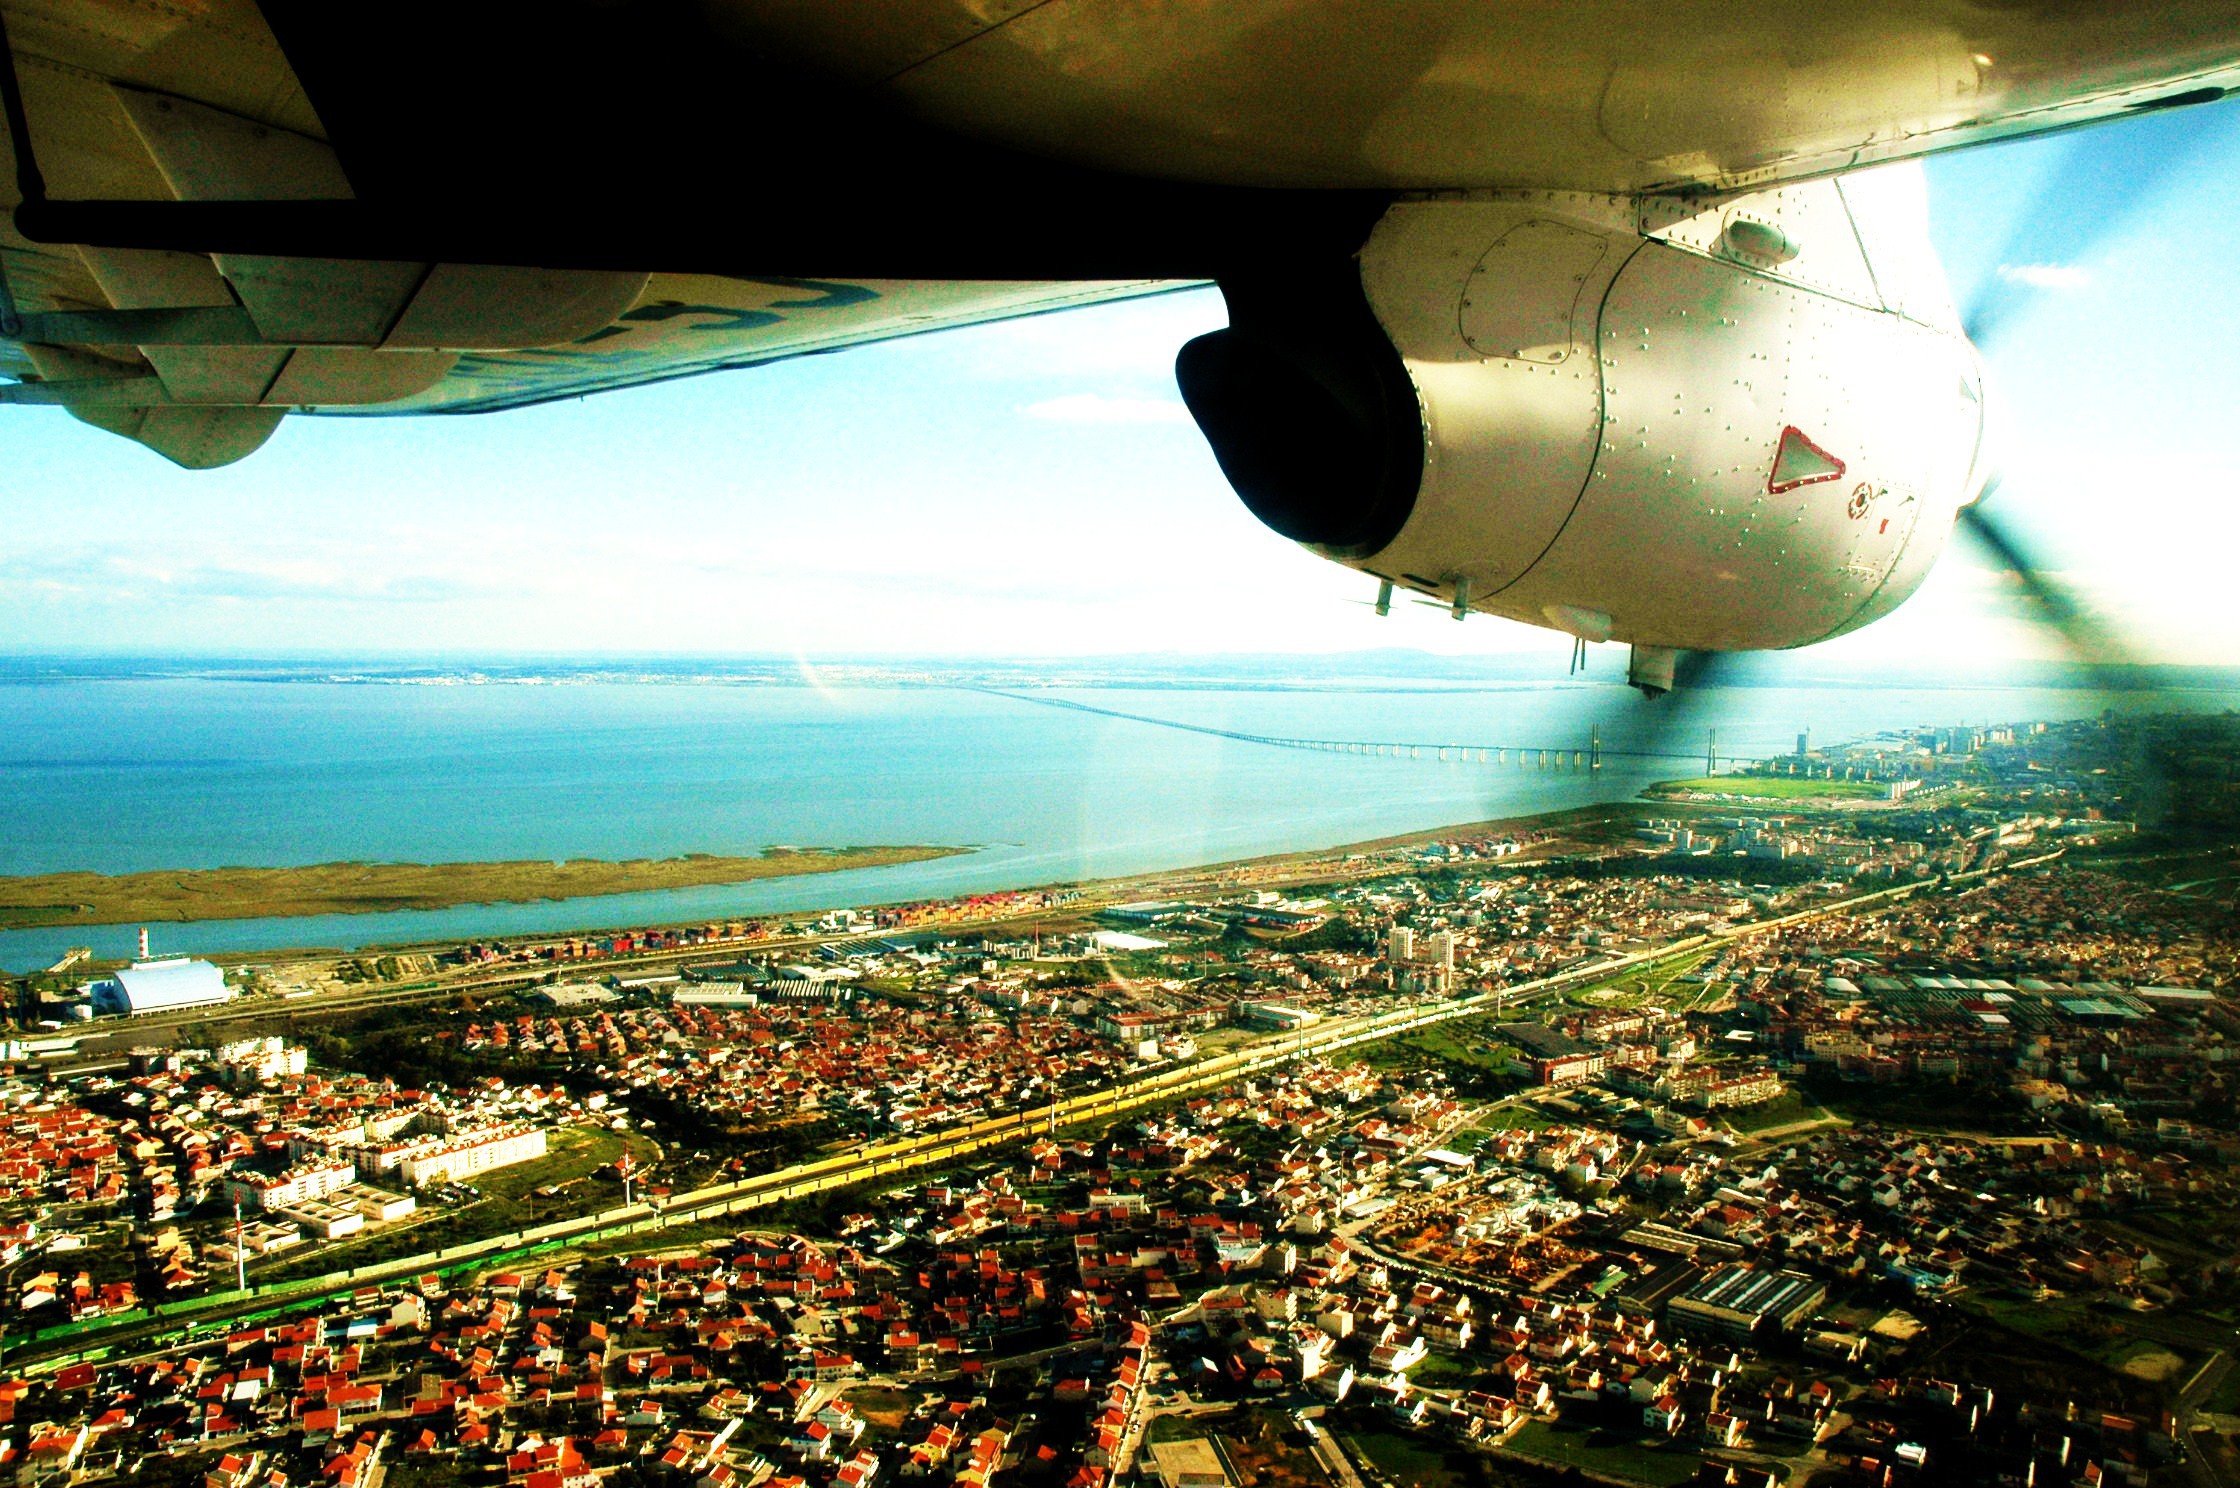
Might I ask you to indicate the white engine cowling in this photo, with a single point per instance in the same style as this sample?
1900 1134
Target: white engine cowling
1744 427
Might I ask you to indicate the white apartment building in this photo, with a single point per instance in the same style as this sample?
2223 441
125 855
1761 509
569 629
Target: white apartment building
463 1155
313 1180
251 1061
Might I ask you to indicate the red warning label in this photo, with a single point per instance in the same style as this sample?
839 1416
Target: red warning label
1797 461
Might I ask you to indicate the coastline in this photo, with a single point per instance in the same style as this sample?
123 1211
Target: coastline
200 895
1564 829
127 776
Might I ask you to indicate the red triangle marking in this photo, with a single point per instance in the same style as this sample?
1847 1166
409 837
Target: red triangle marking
1800 462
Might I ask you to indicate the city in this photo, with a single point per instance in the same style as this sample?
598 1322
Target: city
1789 1127
1473 746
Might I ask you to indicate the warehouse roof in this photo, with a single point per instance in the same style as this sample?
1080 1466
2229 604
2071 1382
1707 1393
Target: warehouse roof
172 982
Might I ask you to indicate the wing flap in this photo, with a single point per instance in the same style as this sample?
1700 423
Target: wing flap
684 325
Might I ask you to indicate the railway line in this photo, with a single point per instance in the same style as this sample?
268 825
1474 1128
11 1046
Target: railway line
893 1157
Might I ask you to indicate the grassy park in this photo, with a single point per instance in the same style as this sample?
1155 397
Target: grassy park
1614 1453
1771 788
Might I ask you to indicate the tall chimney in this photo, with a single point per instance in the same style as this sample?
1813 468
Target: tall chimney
143 942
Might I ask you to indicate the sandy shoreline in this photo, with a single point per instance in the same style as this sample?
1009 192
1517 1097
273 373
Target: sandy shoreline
173 895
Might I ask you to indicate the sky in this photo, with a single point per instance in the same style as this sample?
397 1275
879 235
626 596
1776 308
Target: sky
1036 487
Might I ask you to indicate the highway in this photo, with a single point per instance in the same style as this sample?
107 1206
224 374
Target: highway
897 1155
894 1157
1573 755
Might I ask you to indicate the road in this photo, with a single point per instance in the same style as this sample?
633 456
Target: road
893 1158
2209 1459
1330 867
1333 1457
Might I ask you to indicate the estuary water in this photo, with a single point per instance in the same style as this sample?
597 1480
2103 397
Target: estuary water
128 774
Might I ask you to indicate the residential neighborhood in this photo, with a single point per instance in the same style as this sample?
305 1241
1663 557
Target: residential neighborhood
1901 1151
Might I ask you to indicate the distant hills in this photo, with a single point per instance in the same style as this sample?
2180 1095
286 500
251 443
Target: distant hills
1369 670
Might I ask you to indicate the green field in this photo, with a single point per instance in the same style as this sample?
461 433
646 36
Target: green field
1405 1458
2225 1399
1785 1109
509 1202
1443 1371
676 1238
572 1155
1639 985
1469 1048
1774 788
2064 1323
1926 1106
1223 1040
1620 1455
1522 1116
2062 1345
426 1472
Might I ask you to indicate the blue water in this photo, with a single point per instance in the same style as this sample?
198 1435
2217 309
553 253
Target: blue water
125 775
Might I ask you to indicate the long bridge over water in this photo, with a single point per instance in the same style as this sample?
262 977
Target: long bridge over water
1544 756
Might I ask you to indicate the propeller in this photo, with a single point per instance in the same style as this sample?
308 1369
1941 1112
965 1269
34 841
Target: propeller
2088 639
2091 193
2087 196
2096 190
1382 604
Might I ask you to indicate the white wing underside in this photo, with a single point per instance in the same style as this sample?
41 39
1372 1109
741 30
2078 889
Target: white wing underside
117 121
145 100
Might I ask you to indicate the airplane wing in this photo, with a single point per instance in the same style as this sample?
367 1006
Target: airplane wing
224 211
683 325
197 354
1616 96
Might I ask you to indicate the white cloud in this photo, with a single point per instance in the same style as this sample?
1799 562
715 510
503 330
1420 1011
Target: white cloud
2046 276
1096 408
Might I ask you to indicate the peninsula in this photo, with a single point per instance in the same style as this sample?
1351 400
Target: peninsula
369 888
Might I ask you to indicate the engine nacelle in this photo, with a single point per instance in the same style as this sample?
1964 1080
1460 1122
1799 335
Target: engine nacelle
1744 427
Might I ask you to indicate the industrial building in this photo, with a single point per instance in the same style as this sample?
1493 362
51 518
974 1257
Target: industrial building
159 987
378 1205
717 994
324 1218
1275 1015
1736 1301
574 994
